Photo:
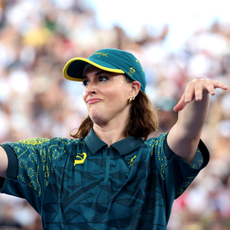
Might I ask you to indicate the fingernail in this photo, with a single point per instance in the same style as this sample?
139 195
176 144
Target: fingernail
186 100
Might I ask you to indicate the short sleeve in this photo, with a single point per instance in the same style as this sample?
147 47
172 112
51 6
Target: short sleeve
176 173
31 163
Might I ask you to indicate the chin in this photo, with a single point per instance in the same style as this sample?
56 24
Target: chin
95 117
98 120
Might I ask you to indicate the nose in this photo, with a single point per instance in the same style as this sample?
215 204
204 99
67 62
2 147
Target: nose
91 88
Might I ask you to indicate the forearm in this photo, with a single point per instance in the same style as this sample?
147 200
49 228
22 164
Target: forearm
192 118
3 162
184 136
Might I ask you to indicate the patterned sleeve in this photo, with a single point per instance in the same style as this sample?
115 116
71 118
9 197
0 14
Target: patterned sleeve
176 173
31 163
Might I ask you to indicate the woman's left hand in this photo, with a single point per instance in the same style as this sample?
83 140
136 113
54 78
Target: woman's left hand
196 89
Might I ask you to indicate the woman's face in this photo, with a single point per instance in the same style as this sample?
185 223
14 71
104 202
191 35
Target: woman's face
106 96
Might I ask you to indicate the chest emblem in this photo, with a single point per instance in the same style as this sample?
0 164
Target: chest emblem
80 158
132 160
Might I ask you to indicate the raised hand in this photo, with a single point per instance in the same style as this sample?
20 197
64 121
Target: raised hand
196 89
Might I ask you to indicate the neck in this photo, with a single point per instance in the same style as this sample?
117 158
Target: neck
109 134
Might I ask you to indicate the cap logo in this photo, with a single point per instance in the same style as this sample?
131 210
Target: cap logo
100 54
131 71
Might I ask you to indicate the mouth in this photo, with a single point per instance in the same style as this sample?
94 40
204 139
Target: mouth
93 100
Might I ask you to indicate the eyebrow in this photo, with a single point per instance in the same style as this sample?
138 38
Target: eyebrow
98 73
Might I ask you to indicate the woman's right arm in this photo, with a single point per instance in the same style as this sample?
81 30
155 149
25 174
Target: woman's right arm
3 162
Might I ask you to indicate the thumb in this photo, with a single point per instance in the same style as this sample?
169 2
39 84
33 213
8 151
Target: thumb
180 105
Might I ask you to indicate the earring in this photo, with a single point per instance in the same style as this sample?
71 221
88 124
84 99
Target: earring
131 99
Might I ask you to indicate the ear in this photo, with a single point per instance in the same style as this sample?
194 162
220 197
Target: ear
135 88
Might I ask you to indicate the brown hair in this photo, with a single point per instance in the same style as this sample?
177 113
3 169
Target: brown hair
143 119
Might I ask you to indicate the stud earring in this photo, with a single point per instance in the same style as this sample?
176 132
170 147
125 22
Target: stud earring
131 99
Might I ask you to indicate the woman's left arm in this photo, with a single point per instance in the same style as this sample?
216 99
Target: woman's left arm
184 137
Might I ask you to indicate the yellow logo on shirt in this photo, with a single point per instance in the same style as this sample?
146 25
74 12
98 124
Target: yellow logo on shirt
80 158
132 160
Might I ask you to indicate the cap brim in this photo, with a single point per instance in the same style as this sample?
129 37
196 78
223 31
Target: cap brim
73 69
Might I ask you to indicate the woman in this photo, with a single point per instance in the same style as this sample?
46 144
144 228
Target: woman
111 176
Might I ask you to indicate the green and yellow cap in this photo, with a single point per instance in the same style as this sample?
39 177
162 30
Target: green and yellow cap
111 60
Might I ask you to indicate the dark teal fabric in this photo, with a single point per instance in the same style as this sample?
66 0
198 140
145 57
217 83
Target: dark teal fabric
83 184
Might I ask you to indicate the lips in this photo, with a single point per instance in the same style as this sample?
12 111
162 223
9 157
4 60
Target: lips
93 100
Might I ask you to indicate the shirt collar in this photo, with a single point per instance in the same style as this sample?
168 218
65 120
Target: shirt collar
93 142
125 146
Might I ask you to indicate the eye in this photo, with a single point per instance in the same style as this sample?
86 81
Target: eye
103 78
85 82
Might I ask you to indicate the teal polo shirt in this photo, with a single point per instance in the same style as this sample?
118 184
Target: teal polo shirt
84 184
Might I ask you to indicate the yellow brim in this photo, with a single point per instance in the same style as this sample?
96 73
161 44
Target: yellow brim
65 69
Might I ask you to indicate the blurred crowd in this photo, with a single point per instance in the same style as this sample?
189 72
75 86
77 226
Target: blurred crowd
37 38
